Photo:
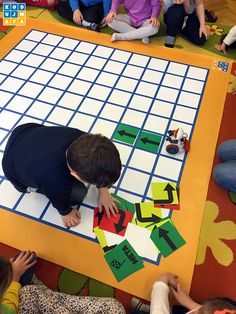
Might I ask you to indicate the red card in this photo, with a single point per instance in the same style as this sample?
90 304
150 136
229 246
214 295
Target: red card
168 206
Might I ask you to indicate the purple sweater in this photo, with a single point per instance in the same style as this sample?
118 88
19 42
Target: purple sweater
138 10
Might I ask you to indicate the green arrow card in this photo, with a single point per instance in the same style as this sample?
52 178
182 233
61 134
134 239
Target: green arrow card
126 133
149 141
167 238
123 260
124 204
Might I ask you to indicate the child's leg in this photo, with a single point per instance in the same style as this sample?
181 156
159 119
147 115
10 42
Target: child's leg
174 19
121 24
227 150
63 8
191 30
93 13
225 175
145 30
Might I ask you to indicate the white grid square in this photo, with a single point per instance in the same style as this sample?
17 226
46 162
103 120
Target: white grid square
189 99
197 73
133 117
36 35
121 55
31 89
184 114
126 84
119 97
102 51
33 60
85 47
16 56
193 86
39 109
91 106
91 197
68 43
139 60
70 101
1 170
60 53
23 72
177 68
124 151
60 116
26 45
2 78
7 67
168 168
8 119
79 87
12 84
5 97
152 76
19 103
134 181
99 92
82 121
107 79
86 223
162 108
172 81
50 95
6 189
41 76
168 94
60 81
112 112
133 71
52 39
51 64
69 69
158 64
96 62
104 127
142 160
32 204
43 50
140 102
77 58
114 67
3 135
52 216
146 89
156 124
88 74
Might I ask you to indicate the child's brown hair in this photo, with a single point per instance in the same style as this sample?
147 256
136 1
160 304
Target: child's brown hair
5 275
217 306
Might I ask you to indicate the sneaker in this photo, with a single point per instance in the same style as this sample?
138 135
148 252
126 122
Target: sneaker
137 305
170 41
94 27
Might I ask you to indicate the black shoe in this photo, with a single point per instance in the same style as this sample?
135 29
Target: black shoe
94 27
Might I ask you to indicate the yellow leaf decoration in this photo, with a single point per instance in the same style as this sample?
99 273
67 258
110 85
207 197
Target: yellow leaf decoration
212 234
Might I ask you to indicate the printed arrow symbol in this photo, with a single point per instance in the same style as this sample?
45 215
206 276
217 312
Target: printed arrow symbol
170 199
119 226
153 218
109 248
145 140
124 133
99 215
164 234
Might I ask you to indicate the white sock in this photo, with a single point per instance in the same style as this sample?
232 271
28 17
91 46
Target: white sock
146 40
118 36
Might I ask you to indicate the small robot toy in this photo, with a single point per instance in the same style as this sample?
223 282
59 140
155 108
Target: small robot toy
176 141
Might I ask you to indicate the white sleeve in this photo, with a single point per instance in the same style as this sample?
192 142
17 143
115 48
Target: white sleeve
160 298
231 37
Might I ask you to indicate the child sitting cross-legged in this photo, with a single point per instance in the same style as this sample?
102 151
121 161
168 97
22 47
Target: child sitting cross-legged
140 22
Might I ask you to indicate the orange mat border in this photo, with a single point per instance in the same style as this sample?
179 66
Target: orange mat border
85 256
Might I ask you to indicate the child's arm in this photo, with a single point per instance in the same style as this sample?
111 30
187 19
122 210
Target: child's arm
10 298
114 8
106 201
229 39
77 15
201 17
183 298
160 294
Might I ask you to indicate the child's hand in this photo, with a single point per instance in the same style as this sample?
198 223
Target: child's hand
110 17
168 278
183 298
154 22
108 202
103 22
72 219
77 16
21 264
221 47
203 30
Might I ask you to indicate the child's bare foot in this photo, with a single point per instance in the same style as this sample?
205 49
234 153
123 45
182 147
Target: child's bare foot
72 219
